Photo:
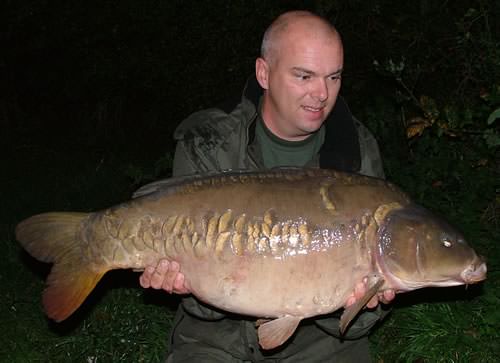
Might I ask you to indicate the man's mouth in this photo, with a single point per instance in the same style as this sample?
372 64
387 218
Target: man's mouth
313 109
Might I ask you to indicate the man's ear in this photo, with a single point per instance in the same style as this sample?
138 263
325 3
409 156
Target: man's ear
262 72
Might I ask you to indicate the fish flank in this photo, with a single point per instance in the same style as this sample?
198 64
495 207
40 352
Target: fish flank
327 202
239 224
221 242
224 221
175 235
250 245
266 230
148 239
178 225
236 244
269 217
112 224
264 247
168 226
211 232
187 242
305 235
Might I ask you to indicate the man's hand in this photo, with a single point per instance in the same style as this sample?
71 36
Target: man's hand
165 276
360 289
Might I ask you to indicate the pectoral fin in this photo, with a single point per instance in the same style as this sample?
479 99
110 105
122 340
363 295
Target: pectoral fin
275 332
259 322
374 284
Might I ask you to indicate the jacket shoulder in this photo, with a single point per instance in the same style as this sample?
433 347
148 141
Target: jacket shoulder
205 124
210 139
215 121
371 160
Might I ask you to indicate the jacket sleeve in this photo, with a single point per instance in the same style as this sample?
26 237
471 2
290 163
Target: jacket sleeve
360 327
183 164
200 310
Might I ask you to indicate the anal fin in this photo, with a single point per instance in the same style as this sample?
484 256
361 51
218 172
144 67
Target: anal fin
275 332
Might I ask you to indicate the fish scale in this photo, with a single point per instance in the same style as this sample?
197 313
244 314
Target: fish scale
177 233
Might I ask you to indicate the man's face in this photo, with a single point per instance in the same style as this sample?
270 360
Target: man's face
302 85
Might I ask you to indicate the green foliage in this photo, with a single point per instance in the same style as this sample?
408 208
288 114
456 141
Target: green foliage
436 120
439 332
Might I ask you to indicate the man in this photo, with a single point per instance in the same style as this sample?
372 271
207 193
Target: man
289 115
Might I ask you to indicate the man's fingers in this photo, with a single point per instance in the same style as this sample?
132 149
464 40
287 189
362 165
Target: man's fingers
359 290
145 278
373 302
388 296
169 278
159 274
166 276
179 285
178 282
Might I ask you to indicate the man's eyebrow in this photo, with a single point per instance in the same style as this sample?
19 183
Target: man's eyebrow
303 70
336 73
311 73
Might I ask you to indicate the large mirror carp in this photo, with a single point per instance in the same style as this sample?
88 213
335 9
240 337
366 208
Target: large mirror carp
282 245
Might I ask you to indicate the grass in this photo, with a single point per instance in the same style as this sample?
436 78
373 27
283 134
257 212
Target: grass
121 322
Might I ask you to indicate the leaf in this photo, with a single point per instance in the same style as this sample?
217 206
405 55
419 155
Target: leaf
429 107
493 116
492 140
416 127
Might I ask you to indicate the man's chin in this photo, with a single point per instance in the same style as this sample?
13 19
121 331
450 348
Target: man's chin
310 129
312 124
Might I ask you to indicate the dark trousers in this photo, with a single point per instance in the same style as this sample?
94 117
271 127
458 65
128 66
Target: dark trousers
235 340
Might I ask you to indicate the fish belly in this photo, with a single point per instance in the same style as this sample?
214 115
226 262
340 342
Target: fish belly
302 285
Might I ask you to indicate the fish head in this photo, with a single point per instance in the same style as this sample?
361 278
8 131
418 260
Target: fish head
419 249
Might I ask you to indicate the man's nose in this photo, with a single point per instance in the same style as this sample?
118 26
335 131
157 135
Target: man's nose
320 90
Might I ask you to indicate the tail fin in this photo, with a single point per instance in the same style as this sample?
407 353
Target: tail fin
55 237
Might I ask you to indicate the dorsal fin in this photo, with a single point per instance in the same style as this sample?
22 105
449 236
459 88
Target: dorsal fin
172 184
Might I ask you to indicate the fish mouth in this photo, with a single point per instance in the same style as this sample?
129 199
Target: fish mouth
475 272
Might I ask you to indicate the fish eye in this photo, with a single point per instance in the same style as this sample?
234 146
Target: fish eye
447 242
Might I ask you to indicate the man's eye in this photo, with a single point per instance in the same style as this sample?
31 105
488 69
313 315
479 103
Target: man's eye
335 78
303 77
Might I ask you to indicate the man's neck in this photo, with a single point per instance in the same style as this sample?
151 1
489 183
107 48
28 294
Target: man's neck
269 118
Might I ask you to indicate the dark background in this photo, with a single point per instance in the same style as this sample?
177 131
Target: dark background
115 74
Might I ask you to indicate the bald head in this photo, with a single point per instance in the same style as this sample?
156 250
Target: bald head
300 72
290 25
